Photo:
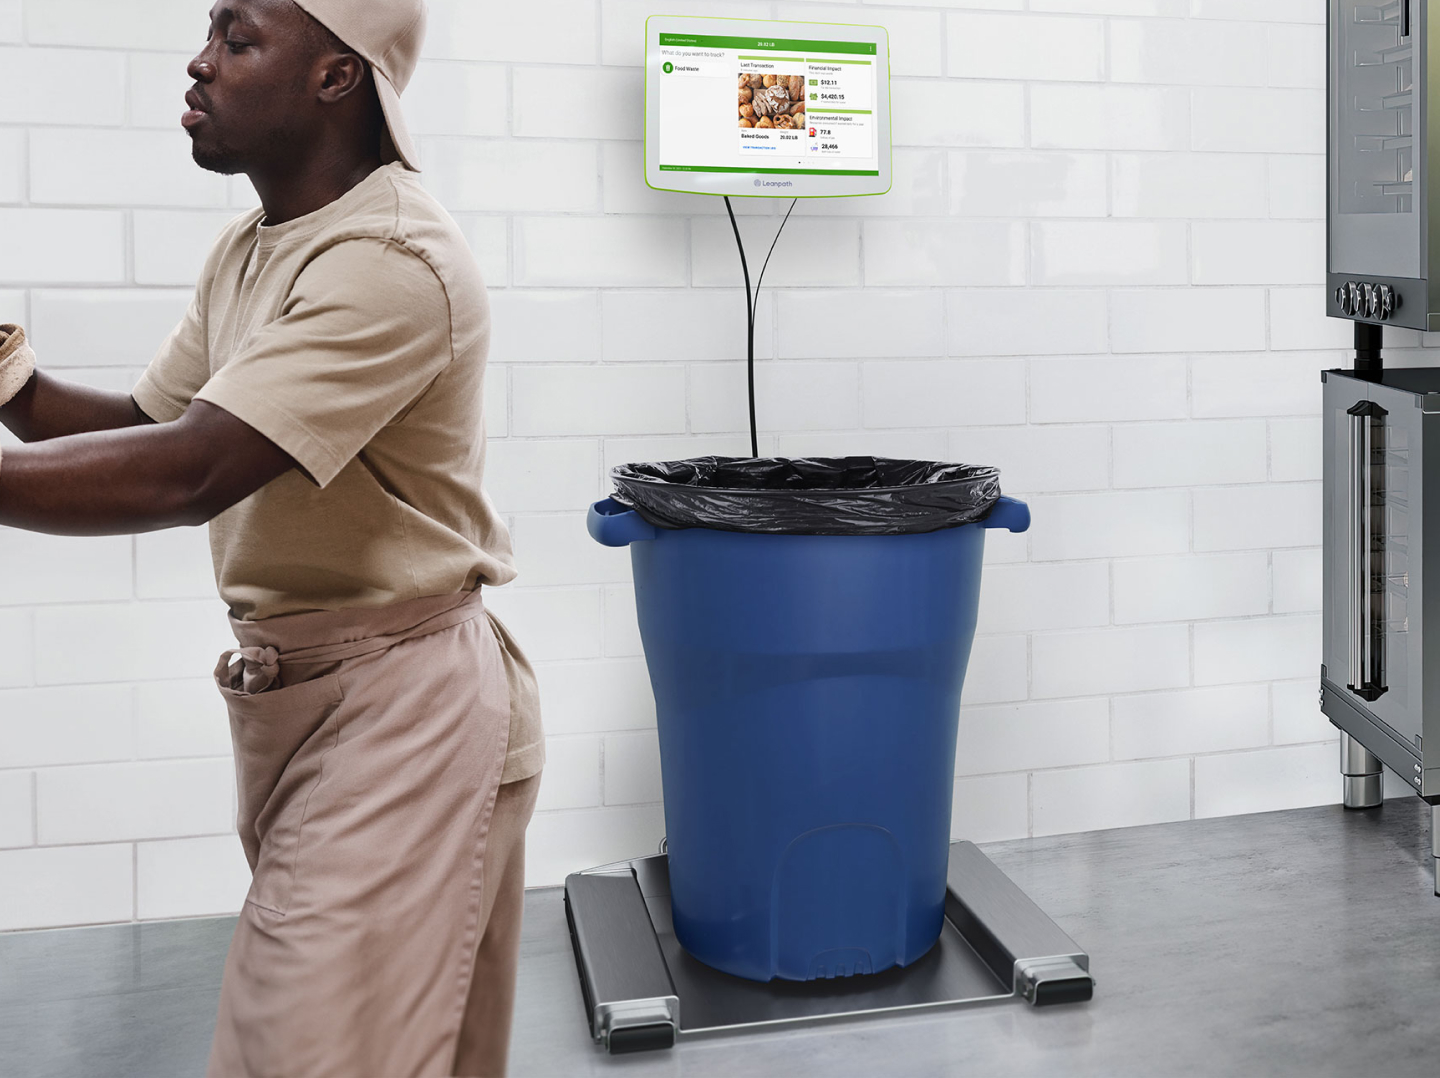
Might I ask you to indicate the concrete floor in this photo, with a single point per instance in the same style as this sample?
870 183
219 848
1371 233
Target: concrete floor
1297 942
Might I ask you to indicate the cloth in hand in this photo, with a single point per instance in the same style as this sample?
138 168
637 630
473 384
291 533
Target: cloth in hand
17 362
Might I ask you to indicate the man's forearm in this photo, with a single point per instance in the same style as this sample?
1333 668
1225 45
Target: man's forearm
49 408
142 479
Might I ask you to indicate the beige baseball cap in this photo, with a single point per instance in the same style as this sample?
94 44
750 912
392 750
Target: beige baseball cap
388 34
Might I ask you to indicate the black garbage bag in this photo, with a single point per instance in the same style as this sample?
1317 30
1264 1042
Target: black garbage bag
808 496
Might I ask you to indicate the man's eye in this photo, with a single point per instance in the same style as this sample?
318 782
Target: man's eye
237 47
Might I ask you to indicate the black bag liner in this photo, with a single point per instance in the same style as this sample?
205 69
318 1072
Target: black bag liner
808 496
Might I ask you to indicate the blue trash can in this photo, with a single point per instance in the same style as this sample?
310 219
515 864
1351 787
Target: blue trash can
807 690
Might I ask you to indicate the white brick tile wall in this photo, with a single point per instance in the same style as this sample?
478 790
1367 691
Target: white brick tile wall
667 326
1109 252
190 877
990 808
61 246
17 809
1099 661
998 672
1035 460
1188 185
61 570
1108 117
184 719
12 165
1061 595
95 328
571 778
632 768
1026 323
551 401
993 184
38 86
1188 320
1107 388
115 802
877 323
1267 649
17 647
80 724
1116 795
1246 518
1235 783
1190 454
930 113
812 251
72 885
906 252
1191 587
1015 46
521 177
1190 722
1118 525
1100 268
624 251
136 168
593 697
944 393
1297 581
1032 736
791 396
1297 714
170 246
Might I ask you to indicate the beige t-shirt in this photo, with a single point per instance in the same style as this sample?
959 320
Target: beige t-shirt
355 339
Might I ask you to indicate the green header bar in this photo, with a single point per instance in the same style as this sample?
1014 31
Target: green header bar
816 111
773 171
863 48
830 60
789 59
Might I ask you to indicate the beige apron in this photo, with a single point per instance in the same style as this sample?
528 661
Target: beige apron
381 930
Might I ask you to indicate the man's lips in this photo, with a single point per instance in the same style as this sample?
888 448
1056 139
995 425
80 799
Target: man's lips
197 111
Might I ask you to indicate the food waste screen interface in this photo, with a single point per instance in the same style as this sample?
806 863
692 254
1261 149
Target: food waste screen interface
780 108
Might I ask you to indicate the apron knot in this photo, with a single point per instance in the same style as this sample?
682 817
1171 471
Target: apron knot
256 670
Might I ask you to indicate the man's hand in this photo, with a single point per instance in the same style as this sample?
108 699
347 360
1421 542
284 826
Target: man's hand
17 362
143 478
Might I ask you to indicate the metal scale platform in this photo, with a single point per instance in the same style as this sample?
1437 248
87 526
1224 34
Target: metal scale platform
642 990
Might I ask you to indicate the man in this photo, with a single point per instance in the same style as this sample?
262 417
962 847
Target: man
320 407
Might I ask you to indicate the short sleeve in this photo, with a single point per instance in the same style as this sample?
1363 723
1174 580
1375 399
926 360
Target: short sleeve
361 337
178 370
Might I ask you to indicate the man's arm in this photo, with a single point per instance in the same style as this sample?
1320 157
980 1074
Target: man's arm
48 408
120 481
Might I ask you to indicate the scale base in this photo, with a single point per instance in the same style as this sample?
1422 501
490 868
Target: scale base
642 990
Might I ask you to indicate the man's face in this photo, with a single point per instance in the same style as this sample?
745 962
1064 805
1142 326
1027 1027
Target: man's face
253 101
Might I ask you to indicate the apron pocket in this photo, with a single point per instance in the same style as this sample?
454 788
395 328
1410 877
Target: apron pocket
281 738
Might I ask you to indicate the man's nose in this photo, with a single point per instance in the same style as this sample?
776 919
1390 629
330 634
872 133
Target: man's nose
201 69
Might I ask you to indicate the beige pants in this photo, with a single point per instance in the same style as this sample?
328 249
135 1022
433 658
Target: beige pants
382 928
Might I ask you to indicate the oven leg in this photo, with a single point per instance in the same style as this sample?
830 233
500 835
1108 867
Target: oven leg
1364 781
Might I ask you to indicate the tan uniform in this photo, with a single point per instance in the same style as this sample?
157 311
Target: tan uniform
379 715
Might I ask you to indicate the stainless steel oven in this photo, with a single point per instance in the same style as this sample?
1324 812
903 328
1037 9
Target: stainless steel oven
1381 248
1380 673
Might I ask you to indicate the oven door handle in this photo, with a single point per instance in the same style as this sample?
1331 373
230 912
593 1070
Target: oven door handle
1363 667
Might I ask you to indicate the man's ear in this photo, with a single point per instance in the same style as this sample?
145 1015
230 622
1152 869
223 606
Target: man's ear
342 75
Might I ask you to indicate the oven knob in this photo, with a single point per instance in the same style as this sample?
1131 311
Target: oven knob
1369 300
1389 300
1352 298
1341 294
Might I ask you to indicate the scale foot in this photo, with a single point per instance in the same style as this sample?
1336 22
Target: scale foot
1363 775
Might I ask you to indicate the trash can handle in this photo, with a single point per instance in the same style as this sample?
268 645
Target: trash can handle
612 524
1009 513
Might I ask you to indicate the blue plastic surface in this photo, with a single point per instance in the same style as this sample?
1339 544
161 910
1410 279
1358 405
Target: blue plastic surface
808 694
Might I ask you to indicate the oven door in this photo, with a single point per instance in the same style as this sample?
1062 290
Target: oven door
1375 144
1372 624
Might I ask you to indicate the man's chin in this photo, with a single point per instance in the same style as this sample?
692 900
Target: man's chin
216 159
